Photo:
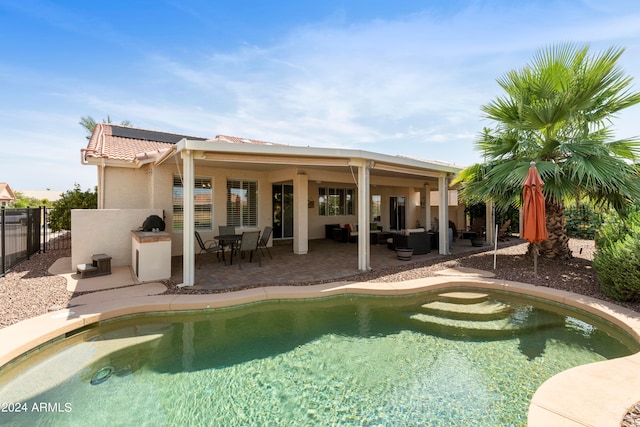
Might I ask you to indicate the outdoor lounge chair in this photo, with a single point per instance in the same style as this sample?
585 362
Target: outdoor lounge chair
502 233
264 239
249 243
208 247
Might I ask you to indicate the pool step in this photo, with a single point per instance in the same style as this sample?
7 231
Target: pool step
485 310
468 314
463 297
472 314
504 324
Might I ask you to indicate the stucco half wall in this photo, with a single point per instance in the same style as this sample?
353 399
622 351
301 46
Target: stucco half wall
105 231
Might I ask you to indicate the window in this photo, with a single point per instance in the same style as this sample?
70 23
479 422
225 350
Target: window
242 203
376 201
203 204
335 201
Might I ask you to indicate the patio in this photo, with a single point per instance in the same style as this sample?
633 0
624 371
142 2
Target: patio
327 260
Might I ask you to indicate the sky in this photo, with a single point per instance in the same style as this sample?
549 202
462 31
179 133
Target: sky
394 77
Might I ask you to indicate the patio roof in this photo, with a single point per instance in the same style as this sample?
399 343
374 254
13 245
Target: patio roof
276 155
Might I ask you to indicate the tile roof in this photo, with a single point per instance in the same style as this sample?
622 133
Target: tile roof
6 194
126 143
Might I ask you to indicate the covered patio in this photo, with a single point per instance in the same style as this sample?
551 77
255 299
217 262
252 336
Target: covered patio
325 261
304 168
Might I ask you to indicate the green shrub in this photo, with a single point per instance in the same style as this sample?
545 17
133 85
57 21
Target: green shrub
617 258
582 221
60 217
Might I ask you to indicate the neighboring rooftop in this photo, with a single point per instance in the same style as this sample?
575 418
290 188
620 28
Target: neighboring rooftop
6 194
50 195
237 140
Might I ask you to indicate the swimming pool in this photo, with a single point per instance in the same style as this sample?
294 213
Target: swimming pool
438 358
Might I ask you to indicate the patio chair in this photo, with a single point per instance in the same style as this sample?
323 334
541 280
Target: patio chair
502 233
226 230
208 247
264 239
249 243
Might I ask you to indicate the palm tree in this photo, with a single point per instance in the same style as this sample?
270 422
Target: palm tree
556 112
89 123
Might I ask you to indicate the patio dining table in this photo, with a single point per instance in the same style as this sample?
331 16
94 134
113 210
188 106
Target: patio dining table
230 241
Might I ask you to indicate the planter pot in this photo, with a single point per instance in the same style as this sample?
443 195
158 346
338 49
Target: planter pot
404 254
477 241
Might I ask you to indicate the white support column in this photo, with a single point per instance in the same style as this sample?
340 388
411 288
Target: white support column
364 214
520 221
443 214
300 214
461 218
188 256
490 222
427 207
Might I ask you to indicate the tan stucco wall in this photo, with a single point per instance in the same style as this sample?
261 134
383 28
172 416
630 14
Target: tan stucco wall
108 231
126 188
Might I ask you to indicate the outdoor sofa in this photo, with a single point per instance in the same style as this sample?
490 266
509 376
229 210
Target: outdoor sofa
418 239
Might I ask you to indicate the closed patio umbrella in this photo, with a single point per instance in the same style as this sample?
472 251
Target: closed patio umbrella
534 227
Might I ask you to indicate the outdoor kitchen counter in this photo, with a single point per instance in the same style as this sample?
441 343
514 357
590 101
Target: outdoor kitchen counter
150 236
151 255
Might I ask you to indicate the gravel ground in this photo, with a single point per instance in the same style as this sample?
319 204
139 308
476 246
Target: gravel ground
29 290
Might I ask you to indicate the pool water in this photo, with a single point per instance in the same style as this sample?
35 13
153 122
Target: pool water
462 358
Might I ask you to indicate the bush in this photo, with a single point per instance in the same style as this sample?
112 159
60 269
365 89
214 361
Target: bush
617 258
60 217
582 221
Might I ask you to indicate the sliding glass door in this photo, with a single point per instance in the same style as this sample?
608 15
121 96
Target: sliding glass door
396 212
282 211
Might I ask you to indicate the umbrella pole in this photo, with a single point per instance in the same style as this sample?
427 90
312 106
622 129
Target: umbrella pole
535 259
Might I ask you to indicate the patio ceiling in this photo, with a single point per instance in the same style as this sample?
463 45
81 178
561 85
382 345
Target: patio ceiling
253 164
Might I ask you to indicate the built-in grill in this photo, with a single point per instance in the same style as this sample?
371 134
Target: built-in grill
153 223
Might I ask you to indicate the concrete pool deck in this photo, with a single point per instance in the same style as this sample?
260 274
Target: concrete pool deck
597 394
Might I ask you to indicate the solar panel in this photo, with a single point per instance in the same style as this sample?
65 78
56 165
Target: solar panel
149 135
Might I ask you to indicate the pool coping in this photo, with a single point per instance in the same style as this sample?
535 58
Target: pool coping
593 394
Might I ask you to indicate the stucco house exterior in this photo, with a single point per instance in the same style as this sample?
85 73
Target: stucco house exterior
7 197
251 184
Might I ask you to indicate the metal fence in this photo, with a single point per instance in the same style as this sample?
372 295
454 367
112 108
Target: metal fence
52 240
24 232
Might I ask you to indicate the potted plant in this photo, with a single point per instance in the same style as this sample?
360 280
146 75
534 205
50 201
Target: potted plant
404 254
477 240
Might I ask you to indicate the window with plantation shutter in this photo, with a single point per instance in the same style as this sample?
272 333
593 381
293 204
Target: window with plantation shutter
203 203
242 203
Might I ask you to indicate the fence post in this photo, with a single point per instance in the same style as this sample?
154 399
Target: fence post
2 240
44 229
37 228
29 225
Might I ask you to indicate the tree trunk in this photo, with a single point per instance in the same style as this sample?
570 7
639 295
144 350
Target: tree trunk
557 244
